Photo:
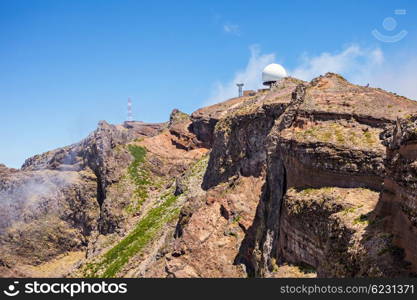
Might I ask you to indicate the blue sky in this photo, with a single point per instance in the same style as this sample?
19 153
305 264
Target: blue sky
65 65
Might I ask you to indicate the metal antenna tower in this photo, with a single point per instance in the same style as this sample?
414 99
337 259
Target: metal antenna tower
129 110
240 86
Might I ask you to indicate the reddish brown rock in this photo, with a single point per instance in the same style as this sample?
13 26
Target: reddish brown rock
304 179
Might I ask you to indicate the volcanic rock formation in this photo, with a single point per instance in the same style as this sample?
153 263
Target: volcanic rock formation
306 179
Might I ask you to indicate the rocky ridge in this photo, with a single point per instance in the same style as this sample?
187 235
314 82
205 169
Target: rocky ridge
306 179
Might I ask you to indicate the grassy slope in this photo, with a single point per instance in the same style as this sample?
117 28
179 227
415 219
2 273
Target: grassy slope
114 259
139 175
147 228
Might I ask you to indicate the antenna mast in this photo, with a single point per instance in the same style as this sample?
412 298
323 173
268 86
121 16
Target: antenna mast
129 110
240 85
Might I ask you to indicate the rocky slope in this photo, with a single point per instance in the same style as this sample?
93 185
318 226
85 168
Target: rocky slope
306 179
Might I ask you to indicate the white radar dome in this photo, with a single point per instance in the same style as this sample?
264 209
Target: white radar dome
273 73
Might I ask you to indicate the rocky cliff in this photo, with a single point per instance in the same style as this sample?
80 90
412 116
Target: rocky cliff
306 179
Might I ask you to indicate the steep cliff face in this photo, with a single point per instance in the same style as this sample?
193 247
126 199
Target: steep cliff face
397 206
61 199
313 136
301 180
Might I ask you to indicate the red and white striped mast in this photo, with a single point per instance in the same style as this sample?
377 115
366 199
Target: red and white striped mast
129 110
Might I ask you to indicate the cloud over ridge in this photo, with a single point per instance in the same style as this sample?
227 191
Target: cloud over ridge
250 76
357 64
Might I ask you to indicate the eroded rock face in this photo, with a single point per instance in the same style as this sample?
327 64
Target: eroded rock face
209 232
240 135
325 134
338 232
57 201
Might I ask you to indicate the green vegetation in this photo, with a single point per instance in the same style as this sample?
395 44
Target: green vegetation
304 200
139 175
200 166
246 108
138 140
328 132
305 268
348 210
146 230
317 191
274 265
150 226
236 219
230 232
224 125
368 137
362 219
